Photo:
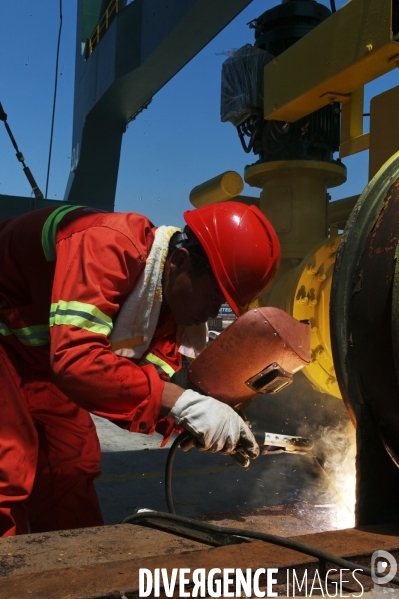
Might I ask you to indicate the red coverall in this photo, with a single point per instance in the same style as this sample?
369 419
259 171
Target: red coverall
80 265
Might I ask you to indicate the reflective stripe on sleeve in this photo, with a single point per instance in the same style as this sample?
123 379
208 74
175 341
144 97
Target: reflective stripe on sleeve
4 330
159 364
80 315
34 335
49 230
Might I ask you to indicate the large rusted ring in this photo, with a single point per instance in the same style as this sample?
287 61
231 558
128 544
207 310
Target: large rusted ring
361 306
395 313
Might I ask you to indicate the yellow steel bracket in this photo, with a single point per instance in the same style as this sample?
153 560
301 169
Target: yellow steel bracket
354 46
384 129
352 138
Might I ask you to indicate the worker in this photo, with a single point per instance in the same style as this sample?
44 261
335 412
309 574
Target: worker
95 310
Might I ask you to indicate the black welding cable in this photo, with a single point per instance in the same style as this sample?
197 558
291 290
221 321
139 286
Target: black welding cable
333 8
54 100
168 470
233 532
323 556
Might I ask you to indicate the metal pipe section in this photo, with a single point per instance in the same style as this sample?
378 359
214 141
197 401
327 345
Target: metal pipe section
294 199
223 187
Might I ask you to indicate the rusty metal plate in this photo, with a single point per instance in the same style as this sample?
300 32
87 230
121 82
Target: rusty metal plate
227 368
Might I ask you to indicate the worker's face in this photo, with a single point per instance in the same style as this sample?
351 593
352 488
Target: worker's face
191 296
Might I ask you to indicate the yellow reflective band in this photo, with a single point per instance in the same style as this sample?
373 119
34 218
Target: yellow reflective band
37 334
80 315
4 330
49 230
160 363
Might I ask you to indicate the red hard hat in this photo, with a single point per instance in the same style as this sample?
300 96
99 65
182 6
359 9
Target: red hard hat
241 246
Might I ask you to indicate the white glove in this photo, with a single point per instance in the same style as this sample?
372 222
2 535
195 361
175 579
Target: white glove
215 426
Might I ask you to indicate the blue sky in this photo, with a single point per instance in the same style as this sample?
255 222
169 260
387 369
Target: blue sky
177 143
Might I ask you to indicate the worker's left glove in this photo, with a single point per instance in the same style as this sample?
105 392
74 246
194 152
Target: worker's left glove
215 426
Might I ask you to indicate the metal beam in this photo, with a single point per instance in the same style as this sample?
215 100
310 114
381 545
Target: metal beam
144 47
349 49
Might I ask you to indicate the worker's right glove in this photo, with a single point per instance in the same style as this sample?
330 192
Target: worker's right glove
215 426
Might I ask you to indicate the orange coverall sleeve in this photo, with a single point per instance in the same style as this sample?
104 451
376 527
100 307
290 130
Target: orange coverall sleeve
99 267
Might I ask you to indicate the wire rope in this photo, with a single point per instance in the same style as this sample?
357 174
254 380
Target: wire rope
54 100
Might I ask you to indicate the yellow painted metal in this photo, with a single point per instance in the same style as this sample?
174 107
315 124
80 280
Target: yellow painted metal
223 187
304 292
349 49
355 145
294 199
352 115
333 175
352 138
384 129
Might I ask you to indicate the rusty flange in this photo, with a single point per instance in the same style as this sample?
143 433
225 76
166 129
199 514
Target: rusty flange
361 306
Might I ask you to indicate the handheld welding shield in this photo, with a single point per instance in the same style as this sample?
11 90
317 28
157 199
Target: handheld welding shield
259 353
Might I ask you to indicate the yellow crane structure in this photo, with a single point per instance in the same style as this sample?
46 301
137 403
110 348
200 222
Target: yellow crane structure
319 275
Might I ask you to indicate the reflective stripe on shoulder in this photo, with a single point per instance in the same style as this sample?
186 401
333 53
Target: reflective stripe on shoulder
49 230
34 335
80 315
159 363
4 330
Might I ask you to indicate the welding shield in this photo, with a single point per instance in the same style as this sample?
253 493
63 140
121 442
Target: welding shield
259 353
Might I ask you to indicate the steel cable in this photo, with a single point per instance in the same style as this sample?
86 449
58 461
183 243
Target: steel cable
54 100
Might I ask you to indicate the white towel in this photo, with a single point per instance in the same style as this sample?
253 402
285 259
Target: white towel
192 340
138 317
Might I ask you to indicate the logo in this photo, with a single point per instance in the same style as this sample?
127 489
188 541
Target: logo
377 569
230 582
225 310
